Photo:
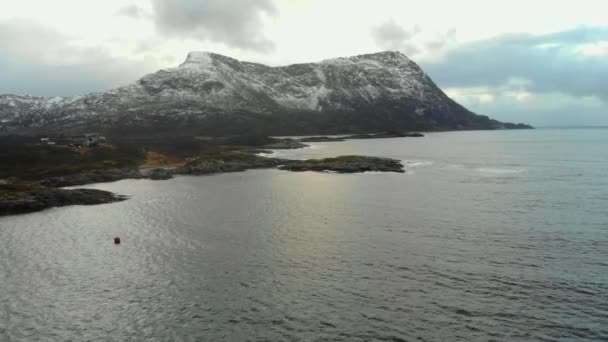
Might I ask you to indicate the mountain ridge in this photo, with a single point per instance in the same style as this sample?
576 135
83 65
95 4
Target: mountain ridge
214 94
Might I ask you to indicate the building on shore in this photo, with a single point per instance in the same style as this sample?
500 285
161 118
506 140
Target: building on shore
87 140
84 140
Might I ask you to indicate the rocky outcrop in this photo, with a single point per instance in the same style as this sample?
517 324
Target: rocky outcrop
345 164
227 162
36 200
236 161
285 144
383 135
322 139
157 174
106 175
94 176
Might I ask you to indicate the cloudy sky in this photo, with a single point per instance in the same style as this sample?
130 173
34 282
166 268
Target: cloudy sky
543 62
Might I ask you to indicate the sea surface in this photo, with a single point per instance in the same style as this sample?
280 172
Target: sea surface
488 236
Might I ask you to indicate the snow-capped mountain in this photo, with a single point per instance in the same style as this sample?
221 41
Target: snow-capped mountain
214 94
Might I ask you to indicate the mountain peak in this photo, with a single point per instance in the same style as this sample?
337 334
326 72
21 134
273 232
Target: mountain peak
387 54
198 57
382 56
393 53
207 60
206 57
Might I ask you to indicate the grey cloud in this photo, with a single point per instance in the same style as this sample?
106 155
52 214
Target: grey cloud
550 62
409 49
390 33
546 110
132 11
441 42
37 61
391 36
236 23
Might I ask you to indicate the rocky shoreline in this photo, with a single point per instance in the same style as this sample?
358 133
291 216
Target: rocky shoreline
382 135
45 198
46 194
104 176
345 164
17 198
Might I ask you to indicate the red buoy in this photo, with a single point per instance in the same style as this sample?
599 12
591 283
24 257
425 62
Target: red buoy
117 240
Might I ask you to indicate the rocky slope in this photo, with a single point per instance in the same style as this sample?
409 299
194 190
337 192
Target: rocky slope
215 94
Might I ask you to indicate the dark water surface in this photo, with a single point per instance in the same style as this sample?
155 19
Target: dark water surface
488 236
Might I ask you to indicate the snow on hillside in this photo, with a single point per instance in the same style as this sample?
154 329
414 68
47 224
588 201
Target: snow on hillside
208 80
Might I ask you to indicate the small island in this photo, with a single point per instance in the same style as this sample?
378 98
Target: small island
382 135
345 164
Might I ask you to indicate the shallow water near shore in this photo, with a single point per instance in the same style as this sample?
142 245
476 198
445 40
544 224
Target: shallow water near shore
487 236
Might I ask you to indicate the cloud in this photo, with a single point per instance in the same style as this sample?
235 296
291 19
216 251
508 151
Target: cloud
514 90
599 49
132 11
55 66
538 109
236 23
441 42
552 79
391 36
416 43
567 62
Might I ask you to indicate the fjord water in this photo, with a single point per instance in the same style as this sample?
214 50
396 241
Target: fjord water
487 236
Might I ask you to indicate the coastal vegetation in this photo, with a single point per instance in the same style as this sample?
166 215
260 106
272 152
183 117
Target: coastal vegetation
25 158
